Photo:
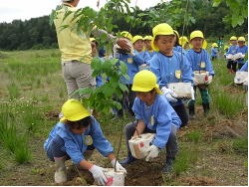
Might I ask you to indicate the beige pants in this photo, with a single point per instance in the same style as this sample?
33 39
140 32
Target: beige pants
77 75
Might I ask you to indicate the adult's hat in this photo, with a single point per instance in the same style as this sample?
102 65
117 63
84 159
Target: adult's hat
145 81
73 110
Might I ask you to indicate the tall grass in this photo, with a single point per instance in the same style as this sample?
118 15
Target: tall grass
10 138
227 104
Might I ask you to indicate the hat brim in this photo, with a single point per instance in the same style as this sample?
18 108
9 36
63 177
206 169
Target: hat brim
140 89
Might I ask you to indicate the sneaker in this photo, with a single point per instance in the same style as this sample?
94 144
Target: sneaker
128 160
168 166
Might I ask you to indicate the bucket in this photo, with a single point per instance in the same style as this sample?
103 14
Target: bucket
139 145
182 89
201 77
114 178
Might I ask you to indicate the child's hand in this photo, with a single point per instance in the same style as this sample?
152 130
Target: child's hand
169 94
153 152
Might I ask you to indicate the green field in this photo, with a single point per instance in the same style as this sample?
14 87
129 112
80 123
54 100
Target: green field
213 149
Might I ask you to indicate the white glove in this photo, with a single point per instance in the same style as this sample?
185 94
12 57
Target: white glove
153 152
169 94
98 174
119 167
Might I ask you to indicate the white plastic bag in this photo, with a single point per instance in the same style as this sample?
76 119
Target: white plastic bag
182 89
139 145
241 77
202 77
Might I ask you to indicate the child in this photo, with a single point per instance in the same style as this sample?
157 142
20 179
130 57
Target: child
242 50
75 135
200 61
132 61
138 45
153 115
183 41
177 46
170 66
147 45
214 51
231 62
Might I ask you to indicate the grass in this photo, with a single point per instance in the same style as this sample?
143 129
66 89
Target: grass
32 87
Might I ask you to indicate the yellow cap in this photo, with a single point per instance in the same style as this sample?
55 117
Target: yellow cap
73 110
145 81
136 38
148 37
127 35
92 40
196 34
241 39
176 33
161 29
183 40
214 45
233 38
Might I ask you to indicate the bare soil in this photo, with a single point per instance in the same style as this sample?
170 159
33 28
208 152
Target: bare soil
214 167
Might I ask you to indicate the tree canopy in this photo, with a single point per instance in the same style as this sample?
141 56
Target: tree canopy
214 18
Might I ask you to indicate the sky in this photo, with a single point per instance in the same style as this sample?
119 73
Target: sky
26 9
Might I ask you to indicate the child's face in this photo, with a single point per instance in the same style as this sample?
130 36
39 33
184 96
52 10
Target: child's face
147 97
197 43
241 44
139 45
147 44
79 130
233 42
165 44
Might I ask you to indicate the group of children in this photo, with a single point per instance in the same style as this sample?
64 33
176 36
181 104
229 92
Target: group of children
153 62
236 53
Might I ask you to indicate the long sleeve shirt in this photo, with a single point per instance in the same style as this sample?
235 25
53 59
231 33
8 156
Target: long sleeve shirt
200 61
132 63
244 51
160 116
76 144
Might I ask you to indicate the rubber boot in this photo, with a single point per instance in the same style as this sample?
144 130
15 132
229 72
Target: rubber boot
191 109
61 172
168 165
206 108
129 159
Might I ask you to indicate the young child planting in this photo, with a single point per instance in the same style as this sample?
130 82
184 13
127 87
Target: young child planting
170 66
200 62
153 114
75 136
